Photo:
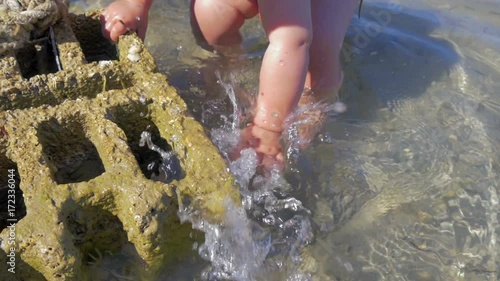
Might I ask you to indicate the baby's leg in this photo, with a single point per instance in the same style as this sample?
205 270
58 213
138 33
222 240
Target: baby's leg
331 19
219 21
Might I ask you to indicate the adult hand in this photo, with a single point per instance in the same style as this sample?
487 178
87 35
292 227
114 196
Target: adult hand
123 16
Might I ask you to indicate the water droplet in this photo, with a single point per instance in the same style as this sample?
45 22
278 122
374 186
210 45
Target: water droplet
339 107
294 206
269 220
275 114
326 138
138 18
218 81
142 99
151 166
179 48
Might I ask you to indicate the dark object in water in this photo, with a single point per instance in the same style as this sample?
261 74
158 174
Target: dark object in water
359 9
168 168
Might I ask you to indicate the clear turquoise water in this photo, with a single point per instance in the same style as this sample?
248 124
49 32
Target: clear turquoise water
404 185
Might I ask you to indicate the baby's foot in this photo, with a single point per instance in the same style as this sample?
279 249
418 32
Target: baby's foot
313 107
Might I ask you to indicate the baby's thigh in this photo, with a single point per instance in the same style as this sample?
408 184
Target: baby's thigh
214 20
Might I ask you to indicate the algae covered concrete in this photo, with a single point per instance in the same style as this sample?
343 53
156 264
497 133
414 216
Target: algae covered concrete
71 136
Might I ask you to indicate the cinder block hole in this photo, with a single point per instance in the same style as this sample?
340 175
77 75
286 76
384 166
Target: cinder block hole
12 208
37 57
67 151
97 234
133 120
125 264
88 33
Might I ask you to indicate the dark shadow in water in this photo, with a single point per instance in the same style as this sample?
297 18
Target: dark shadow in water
388 56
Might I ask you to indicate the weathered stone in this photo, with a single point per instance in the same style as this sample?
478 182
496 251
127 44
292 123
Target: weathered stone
72 138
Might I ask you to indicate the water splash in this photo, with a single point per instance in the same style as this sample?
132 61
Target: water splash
232 97
168 167
265 235
236 248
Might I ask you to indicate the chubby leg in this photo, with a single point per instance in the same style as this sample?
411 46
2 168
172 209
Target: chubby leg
331 19
288 26
219 21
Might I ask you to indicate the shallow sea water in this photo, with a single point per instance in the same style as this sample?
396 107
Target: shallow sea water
403 186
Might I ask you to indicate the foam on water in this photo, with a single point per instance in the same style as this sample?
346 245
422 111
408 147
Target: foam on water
236 248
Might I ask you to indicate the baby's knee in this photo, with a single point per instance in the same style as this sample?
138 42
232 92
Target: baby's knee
291 37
